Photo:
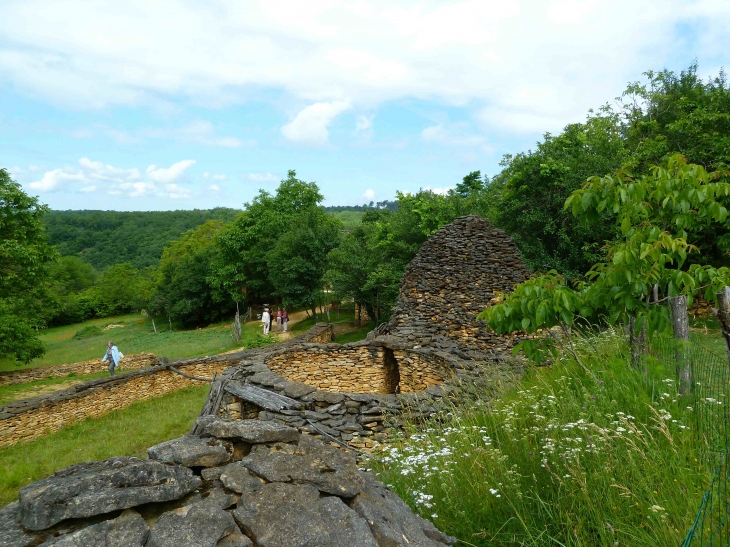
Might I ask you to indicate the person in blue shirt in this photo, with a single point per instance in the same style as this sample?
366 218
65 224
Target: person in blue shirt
112 355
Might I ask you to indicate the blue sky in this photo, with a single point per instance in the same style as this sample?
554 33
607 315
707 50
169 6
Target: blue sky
186 104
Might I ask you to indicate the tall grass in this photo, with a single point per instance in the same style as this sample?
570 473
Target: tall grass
126 432
597 456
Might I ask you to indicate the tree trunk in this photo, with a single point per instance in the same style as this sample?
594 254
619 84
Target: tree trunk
723 316
633 347
680 325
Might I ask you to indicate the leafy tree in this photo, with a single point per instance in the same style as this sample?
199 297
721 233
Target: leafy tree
71 277
298 260
242 269
533 186
470 184
184 291
117 291
25 257
655 214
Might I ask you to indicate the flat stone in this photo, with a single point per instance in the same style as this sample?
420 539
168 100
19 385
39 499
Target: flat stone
296 389
392 522
88 489
329 469
235 539
128 530
197 525
250 431
288 515
218 497
237 477
13 533
192 451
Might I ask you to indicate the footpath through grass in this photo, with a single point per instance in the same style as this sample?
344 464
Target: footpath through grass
134 334
126 432
595 456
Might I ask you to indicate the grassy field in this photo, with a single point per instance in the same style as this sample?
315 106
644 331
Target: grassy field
349 219
598 456
126 432
37 387
133 335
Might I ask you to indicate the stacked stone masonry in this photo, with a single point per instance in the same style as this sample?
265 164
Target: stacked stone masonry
130 362
31 418
456 274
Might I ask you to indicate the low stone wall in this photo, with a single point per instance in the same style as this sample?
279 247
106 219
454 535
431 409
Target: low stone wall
130 362
31 418
430 381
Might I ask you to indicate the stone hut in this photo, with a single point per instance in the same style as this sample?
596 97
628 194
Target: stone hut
456 274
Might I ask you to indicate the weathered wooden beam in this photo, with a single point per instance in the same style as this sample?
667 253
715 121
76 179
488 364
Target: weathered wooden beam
680 326
723 316
262 397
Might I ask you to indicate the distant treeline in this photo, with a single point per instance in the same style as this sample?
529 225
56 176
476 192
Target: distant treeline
390 205
106 238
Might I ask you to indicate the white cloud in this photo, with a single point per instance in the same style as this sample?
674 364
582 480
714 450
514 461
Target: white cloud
95 176
214 188
169 174
309 127
53 179
260 177
524 61
369 194
441 191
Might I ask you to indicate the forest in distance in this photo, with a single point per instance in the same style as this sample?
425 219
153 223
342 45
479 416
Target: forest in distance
93 264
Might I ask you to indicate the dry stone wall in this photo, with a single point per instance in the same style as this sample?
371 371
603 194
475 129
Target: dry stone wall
456 274
31 418
130 362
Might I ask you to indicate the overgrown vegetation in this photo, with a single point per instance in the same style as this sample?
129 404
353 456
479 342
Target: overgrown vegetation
574 456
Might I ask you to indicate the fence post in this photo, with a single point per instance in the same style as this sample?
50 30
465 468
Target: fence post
680 326
723 316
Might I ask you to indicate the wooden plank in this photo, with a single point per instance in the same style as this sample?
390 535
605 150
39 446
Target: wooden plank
262 397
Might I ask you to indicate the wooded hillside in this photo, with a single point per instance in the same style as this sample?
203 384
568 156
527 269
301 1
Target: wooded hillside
105 238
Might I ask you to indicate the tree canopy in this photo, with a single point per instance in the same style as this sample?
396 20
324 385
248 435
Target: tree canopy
25 258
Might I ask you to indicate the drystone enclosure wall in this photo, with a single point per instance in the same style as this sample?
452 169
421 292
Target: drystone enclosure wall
252 472
31 418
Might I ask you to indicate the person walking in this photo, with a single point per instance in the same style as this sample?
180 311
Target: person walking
111 355
284 318
266 320
278 319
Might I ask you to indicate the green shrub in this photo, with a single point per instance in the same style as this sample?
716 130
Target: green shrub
87 331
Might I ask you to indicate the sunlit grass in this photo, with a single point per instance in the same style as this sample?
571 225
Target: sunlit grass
126 432
135 335
599 457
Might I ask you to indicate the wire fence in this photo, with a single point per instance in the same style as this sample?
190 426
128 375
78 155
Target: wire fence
709 389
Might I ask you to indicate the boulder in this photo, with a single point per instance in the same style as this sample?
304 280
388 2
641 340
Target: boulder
128 530
13 534
392 522
289 515
329 469
87 489
197 525
250 431
192 451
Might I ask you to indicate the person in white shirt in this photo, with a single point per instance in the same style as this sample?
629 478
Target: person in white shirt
266 320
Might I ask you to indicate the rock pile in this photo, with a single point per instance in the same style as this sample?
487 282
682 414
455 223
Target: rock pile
455 275
237 484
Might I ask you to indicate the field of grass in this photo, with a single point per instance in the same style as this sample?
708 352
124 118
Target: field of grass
126 432
37 387
349 219
133 336
597 456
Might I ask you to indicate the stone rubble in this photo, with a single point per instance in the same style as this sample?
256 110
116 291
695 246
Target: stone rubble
294 491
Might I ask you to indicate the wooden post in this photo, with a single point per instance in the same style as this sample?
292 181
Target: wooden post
633 347
153 326
723 316
680 326
170 319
